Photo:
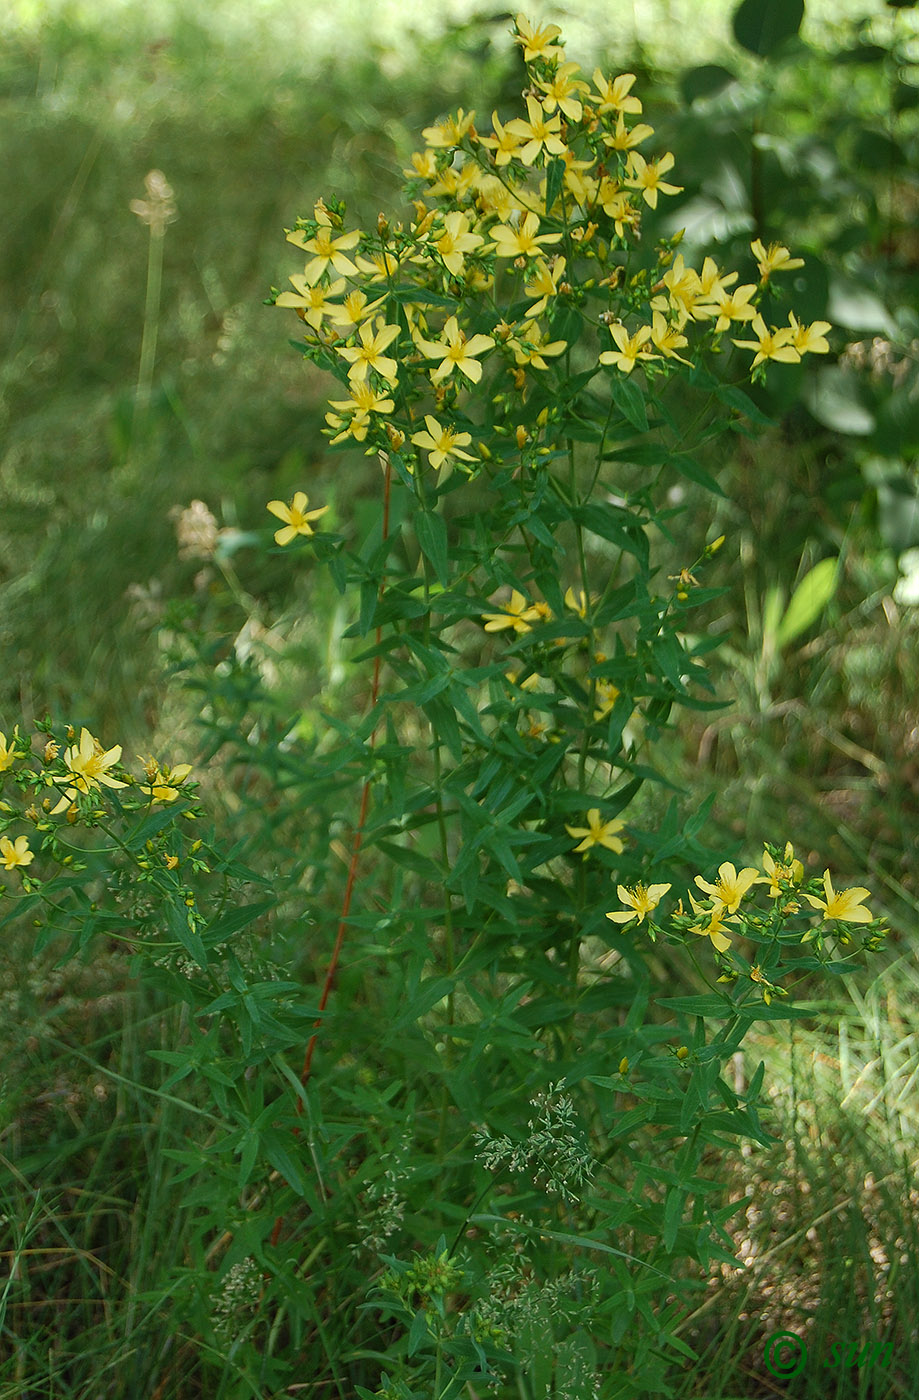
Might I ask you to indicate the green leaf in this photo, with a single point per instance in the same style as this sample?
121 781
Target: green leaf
276 1150
704 81
673 1214
432 537
808 600
710 1005
231 923
630 401
418 1332
428 994
689 467
412 860
762 26
614 524
555 172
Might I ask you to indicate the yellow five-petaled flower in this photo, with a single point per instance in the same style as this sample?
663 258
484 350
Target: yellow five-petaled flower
297 517
641 899
718 917
847 905
16 853
456 351
597 833
163 783
442 442
731 886
87 767
518 613
7 753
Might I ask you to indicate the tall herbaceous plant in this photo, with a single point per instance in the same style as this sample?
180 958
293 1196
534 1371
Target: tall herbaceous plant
496 1162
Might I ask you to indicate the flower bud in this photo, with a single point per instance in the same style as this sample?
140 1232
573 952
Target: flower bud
623 1066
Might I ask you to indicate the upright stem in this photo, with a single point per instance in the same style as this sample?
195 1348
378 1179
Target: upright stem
151 327
355 851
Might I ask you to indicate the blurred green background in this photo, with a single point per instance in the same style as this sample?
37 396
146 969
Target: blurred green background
124 398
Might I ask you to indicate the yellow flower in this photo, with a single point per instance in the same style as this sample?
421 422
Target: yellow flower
733 305
369 354
536 42
577 602
605 695
808 340
646 177
530 351
543 284
441 442
326 249
770 345
364 400
537 133
523 241
518 613
617 205
504 143
163 783
424 163
381 265
774 259
449 132
641 899
630 348
7 754
683 290
711 281
791 869
560 91
847 905
87 767
18 853
668 339
597 833
313 301
456 241
455 351
626 138
354 309
714 929
614 93
297 517
731 886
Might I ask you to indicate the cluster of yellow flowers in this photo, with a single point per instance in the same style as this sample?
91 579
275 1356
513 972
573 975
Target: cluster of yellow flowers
86 767
726 894
545 210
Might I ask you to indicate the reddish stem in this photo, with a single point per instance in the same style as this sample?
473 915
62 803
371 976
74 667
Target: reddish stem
355 852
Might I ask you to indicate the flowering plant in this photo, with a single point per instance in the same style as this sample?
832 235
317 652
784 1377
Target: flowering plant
531 1080
509 353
